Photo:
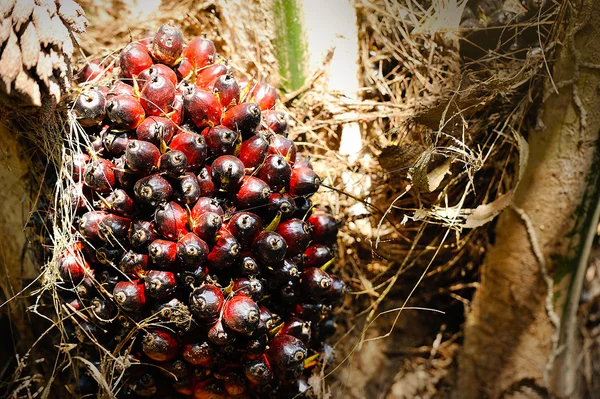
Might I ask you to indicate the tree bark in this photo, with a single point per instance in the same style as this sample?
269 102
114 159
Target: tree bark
519 340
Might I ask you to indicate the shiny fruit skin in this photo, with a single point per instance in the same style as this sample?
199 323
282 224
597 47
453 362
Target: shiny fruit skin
142 233
296 234
225 252
90 107
200 52
316 255
221 140
254 151
134 59
142 157
163 253
276 172
253 193
283 203
304 182
206 225
134 264
241 314
192 145
285 352
264 95
156 129
245 226
283 146
244 118
172 163
160 345
276 121
192 251
198 354
126 111
207 187
202 107
227 90
130 295
115 144
160 284
227 173
167 45
257 369
157 94
209 74
99 175
315 283
269 248
157 70
206 302
72 266
324 227
188 191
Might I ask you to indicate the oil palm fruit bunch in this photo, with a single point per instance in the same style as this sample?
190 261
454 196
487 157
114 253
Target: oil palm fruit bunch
196 238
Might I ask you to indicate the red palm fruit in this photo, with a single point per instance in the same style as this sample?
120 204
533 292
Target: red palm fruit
163 253
126 111
283 203
227 172
221 140
245 226
206 204
283 146
296 234
298 328
253 193
152 190
209 389
89 224
114 227
227 90
316 255
315 283
244 118
248 266
241 314
91 71
72 266
99 175
207 225
78 163
171 220
104 311
269 248
337 291
142 233
89 107
198 354
77 196
188 191
130 295
254 151
160 345
172 163
209 74
225 252
145 385
156 129
160 284
257 369
200 52
184 70
115 144
192 251
250 287
157 95
134 264
264 95
276 172
192 145
206 302
285 352
167 44
157 70
134 59
304 182
207 187
142 157
176 109
124 177
288 271
276 121
119 202
120 88
235 386
202 107
324 227
219 336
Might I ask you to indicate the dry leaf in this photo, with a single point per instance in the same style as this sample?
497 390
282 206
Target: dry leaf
30 46
5 29
10 63
73 15
50 5
26 85
486 213
436 176
6 7
21 13
41 20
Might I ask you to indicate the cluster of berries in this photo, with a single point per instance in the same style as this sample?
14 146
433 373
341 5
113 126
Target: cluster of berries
198 240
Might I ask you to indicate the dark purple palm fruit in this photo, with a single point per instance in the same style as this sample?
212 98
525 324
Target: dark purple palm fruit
78 196
241 314
103 311
99 175
254 151
89 224
245 226
163 253
192 145
192 251
316 283
152 190
338 289
90 107
157 95
276 172
283 203
206 204
134 264
167 45
221 140
324 227
298 328
287 271
304 182
257 369
286 353
156 130
227 173
243 118
118 202
160 345
126 111
115 144
253 193
251 287
201 106
172 163
297 235
130 295
176 369
199 354
142 233
247 266
114 228
142 157
226 88
206 302
276 121
207 187
283 146
194 276
225 252
160 284
78 162
207 226
188 192
72 266
170 220
124 177
219 335
145 385
269 248
316 255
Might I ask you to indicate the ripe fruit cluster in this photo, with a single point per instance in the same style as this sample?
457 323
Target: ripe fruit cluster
197 235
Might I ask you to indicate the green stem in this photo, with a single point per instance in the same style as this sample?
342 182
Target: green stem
290 42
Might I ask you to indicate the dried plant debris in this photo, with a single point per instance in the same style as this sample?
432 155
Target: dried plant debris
36 47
